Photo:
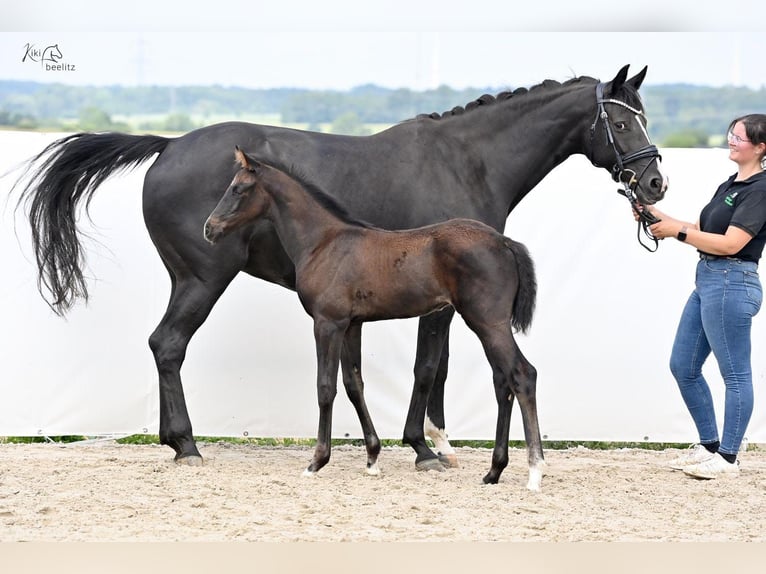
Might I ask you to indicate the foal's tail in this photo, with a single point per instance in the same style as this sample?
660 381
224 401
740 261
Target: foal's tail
526 295
60 178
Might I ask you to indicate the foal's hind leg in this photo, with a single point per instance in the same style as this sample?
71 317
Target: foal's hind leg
351 364
435 427
513 376
524 383
190 303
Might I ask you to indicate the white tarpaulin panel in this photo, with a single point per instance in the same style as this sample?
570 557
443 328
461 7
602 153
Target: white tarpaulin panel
606 316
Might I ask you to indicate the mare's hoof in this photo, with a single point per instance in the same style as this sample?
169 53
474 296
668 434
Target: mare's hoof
449 460
430 464
373 469
490 479
189 460
309 472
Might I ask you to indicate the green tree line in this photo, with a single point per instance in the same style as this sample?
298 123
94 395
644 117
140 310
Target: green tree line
679 115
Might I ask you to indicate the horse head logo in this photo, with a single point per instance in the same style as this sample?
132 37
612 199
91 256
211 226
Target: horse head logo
51 54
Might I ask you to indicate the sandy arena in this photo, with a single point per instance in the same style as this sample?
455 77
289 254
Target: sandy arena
104 491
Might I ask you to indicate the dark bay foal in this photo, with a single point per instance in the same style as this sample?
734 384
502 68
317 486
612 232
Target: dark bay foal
348 272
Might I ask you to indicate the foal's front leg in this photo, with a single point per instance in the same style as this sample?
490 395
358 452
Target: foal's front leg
328 336
351 365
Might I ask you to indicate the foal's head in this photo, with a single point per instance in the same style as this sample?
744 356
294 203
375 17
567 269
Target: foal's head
244 199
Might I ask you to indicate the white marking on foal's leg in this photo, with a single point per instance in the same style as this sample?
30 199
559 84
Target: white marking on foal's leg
308 472
443 448
536 476
373 470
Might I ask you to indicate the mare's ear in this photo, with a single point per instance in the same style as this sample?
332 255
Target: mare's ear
638 79
619 80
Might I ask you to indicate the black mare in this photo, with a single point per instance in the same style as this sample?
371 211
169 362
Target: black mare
348 273
478 163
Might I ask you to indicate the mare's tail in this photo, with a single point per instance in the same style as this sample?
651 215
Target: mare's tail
59 179
526 296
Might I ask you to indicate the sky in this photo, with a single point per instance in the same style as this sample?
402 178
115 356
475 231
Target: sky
338 44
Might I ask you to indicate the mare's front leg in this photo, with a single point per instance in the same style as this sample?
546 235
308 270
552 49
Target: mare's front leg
432 335
351 365
329 340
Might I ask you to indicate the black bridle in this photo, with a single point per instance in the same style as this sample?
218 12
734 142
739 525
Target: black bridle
620 173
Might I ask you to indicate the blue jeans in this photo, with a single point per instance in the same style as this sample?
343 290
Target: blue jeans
717 318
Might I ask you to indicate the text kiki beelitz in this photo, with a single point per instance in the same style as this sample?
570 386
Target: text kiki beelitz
50 58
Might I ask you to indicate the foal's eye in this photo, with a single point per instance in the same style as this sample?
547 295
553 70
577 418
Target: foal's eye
620 125
236 190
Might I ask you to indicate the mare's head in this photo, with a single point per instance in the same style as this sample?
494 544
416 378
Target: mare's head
244 199
620 142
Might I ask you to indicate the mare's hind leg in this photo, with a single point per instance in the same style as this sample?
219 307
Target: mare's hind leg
351 365
435 428
432 334
190 303
513 376
329 341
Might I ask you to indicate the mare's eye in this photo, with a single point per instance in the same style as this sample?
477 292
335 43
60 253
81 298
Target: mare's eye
620 125
237 190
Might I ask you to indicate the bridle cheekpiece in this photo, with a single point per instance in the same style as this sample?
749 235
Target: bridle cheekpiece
627 177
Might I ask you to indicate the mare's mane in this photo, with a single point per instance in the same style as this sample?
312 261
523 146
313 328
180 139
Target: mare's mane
322 197
628 93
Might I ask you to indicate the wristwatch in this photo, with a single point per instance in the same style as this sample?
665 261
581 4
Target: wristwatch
682 234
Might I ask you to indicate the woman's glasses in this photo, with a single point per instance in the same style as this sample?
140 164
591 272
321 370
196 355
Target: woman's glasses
732 137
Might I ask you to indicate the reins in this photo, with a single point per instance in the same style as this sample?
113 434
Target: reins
645 218
619 171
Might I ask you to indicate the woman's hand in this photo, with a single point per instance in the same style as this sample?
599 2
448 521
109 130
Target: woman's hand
666 227
649 209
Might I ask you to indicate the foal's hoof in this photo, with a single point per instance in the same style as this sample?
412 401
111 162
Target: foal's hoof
449 460
189 460
373 469
308 472
430 464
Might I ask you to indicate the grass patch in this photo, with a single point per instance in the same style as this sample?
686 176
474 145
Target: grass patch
153 439
39 439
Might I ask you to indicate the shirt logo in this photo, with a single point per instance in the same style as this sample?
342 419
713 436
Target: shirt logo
730 199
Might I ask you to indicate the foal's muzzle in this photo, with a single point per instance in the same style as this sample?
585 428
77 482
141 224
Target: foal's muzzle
213 231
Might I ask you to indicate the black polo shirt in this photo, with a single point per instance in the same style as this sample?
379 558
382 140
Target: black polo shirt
741 204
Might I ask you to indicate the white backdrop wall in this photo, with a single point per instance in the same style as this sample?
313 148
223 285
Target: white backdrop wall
607 312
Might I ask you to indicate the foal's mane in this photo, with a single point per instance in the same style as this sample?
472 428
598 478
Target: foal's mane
629 94
322 197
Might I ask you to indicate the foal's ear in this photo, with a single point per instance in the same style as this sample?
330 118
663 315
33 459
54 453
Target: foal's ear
244 160
241 158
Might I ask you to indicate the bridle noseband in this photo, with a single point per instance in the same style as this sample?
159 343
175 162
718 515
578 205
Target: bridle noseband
620 173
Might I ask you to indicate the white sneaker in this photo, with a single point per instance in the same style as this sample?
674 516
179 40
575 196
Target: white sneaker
695 455
715 467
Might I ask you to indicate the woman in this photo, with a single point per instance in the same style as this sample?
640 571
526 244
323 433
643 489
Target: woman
729 236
